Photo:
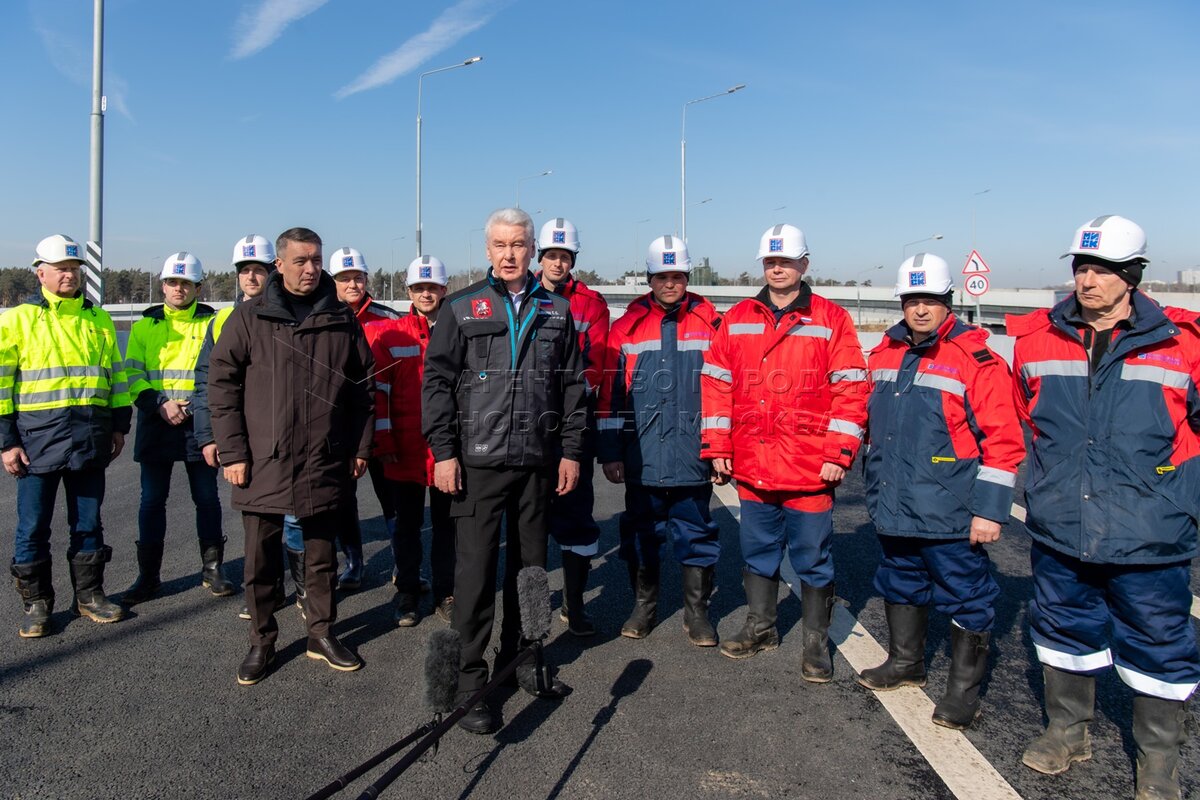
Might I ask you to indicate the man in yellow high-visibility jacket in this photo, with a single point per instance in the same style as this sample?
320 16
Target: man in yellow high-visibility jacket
160 363
64 413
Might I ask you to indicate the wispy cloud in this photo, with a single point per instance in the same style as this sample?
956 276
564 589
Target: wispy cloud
462 18
70 54
258 28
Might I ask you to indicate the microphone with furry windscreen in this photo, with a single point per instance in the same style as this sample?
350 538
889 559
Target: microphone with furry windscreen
441 683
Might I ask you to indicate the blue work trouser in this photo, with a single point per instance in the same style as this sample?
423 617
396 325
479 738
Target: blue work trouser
949 573
1078 608
677 513
156 488
293 534
36 494
767 528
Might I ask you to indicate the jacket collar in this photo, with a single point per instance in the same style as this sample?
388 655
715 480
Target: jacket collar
275 304
950 328
802 300
69 305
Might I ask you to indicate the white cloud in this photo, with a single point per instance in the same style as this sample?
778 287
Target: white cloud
71 57
462 18
256 30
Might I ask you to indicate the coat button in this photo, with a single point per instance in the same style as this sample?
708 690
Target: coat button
1087 497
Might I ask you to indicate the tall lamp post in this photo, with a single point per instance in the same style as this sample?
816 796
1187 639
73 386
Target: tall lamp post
904 250
683 156
528 178
420 78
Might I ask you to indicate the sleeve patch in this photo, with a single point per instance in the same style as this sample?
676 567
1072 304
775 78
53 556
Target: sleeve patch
984 356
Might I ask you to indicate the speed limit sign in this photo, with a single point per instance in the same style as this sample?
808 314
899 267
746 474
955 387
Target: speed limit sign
976 284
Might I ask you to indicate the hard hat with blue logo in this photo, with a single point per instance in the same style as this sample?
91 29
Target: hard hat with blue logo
254 248
783 241
924 273
1111 238
57 249
668 254
183 265
426 269
558 234
347 259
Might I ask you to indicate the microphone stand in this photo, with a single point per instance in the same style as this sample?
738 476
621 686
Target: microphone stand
341 783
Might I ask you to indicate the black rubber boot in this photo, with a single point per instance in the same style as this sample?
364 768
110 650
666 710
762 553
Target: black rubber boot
575 574
148 583
905 665
758 633
1159 730
352 574
37 597
87 576
212 557
816 608
645 609
295 560
1070 704
959 707
697 589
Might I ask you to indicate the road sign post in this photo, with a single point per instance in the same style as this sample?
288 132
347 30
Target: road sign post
976 280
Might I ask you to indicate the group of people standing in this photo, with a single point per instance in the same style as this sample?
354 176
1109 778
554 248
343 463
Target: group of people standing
498 398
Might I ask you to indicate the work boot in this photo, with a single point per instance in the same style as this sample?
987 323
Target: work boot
406 614
352 573
1070 704
816 608
333 653
445 610
758 632
255 664
905 665
87 576
697 589
295 559
479 719
959 706
212 557
1158 731
645 609
148 583
575 575
37 597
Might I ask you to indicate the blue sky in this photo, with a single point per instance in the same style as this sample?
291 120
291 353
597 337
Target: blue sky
872 123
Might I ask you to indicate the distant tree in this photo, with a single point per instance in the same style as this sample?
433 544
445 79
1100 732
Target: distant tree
17 284
590 277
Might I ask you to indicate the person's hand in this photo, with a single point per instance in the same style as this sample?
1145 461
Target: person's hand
172 412
447 476
238 474
15 461
984 531
359 468
722 470
614 471
568 475
209 451
832 473
118 444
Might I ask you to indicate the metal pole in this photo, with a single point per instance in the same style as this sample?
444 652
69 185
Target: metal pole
94 275
419 253
683 176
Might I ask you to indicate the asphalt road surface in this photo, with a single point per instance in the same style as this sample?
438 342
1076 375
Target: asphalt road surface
149 707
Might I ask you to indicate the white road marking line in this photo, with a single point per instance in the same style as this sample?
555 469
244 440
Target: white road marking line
1018 513
957 762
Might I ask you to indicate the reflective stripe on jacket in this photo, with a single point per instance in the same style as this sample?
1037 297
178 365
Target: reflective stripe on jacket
1113 472
398 346
944 437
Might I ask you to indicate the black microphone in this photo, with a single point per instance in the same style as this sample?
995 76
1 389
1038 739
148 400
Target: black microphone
441 670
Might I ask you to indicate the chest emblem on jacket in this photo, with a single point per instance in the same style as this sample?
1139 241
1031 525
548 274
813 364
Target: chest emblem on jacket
481 308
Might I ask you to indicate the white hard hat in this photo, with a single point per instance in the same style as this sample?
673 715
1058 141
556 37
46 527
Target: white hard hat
923 273
57 248
1111 238
183 265
426 269
782 241
558 234
254 248
668 254
345 259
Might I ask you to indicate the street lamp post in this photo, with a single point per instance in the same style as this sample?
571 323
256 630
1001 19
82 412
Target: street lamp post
974 208
530 177
420 78
904 250
683 156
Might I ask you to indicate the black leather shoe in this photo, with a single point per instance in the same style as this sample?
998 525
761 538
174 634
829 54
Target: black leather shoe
331 651
254 666
479 720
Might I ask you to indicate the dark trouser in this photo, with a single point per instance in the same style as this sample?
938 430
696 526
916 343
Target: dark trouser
409 503
489 494
382 487
264 535
156 488
950 573
571 521
36 493
680 514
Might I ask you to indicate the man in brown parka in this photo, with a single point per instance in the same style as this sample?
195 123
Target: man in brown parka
293 417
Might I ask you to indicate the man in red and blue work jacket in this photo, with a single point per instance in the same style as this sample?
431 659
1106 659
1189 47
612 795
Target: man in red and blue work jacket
1107 382
649 439
944 446
785 402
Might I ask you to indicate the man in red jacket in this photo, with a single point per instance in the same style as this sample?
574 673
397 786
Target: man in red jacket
398 346
784 397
